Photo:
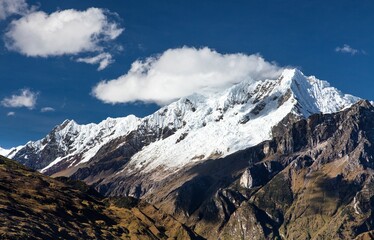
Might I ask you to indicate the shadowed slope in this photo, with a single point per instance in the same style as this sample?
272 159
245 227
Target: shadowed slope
34 206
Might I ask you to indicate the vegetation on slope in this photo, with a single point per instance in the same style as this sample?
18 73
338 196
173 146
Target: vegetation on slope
34 206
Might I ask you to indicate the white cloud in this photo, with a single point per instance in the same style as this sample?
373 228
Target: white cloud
348 49
47 109
180 72
66 32
10 114
25 98
103 59
10 7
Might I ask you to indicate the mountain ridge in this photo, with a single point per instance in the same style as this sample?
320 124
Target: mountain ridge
225 120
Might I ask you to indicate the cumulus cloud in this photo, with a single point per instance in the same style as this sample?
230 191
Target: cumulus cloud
348 49
66 32
10 114
25 98
47 109
103 59
180 72
11 7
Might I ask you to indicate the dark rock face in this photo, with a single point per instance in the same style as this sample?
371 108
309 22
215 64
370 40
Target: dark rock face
328 167
313 180
259 174
115 154
31 157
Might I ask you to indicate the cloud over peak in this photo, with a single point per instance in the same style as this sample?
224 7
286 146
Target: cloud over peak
25 98
180 72
66 32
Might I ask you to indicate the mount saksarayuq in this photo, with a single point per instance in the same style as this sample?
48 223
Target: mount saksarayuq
190 130
290 158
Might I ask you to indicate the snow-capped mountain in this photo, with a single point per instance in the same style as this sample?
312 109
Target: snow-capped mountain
216 125
188 131
72 143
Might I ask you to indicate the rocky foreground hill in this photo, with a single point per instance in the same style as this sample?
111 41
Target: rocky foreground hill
34 206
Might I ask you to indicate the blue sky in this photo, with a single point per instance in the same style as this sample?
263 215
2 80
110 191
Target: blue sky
332 40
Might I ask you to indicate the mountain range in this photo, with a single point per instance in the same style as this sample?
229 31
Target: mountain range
190 130
286 158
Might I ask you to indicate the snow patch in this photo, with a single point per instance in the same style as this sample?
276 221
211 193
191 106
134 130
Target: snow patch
4 152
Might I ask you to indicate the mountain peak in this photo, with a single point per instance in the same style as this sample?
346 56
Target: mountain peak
68 121
291 76
291 73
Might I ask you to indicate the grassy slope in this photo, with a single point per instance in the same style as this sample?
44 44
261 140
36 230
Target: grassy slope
34 206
